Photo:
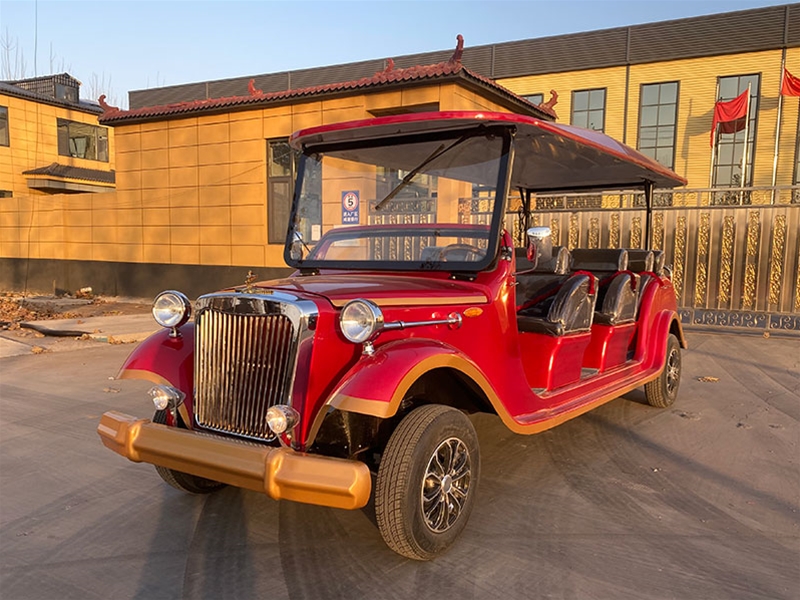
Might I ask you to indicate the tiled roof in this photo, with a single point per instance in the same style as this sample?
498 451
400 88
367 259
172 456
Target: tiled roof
449 70
67 172
9 89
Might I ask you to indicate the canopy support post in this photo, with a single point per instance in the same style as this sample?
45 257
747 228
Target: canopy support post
525 195
648 202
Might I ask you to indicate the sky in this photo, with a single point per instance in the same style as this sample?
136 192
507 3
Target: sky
113 46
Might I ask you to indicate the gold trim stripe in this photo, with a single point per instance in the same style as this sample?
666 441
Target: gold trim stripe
726 260
613 232
703 240
750 274
776 259
420 301
680 256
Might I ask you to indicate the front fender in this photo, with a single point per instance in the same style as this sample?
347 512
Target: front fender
165 360
377 384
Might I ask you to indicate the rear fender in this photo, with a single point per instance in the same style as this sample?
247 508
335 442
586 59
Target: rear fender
377 384
165 360
664 323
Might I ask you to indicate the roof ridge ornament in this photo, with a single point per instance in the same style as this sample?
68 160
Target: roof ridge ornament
456 58
105 105
252 89
548 106
388 68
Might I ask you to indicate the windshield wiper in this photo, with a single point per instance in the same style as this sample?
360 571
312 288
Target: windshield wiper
442 149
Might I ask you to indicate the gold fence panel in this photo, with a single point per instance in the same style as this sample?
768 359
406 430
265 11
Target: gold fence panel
732 265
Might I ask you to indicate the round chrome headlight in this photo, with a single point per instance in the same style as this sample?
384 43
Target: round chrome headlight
171 309
361 320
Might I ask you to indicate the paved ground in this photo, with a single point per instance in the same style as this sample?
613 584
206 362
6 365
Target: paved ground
695 502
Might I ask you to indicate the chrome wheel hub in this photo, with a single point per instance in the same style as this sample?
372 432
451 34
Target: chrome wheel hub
673 371
446 485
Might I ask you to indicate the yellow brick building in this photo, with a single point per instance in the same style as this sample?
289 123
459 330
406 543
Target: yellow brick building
202 195
50 140
201 191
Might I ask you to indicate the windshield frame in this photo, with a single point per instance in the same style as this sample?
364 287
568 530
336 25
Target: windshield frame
505 160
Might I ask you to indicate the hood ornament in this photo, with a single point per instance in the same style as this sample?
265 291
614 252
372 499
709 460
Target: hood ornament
249 281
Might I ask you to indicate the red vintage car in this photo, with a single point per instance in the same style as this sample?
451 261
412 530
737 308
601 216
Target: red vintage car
411 307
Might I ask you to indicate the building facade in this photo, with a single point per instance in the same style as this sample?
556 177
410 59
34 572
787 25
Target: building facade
50 139
204 172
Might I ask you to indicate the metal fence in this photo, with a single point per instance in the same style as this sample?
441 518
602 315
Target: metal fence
734 253
733 264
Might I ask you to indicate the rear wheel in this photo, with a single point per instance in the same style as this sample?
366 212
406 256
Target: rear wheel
661 392
427 481
191 484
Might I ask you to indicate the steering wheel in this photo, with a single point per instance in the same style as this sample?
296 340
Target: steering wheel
461 253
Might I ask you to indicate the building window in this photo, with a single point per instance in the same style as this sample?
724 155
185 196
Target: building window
6 194
589 109
282 164
796 176
67 93
81 140
534 98
3 126
730 147
658 111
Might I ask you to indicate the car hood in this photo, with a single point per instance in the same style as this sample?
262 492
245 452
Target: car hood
384 290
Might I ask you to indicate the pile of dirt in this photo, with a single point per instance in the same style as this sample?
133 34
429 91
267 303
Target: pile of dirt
15 309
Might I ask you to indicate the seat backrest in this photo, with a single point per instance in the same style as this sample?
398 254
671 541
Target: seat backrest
620 301
559 264
603 260
573 305
640 260
658 262
430 253
534 282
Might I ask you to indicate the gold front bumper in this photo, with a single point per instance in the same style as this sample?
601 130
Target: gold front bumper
281 473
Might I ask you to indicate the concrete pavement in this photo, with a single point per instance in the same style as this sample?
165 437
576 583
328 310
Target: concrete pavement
693 502
119 329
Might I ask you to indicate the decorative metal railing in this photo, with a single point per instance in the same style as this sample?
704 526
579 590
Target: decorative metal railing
749 196
734 252
733 264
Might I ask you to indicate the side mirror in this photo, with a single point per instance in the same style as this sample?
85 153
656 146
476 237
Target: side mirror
297 247
540 245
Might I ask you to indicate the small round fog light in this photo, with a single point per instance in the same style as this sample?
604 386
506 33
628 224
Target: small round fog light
281 418
165 396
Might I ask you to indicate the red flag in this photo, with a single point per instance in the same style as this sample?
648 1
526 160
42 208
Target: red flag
731 115
790 86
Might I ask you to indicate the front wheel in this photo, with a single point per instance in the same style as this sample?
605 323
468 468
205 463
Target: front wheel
427 481
191 484
661 392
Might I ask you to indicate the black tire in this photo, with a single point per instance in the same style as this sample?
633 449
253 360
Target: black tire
191 484
661 392
417 517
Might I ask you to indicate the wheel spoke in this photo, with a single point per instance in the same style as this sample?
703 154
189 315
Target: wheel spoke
446 485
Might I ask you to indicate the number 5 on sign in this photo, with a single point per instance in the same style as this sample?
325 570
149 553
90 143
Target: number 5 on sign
350 207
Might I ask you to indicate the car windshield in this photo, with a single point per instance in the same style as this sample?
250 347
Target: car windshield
407 203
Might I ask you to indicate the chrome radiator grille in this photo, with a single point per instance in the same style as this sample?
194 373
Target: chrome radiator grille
244 363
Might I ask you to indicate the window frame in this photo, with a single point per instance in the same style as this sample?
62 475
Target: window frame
796 172
64 146
5 131
588 110
752 129
276 232
529 98
656 127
